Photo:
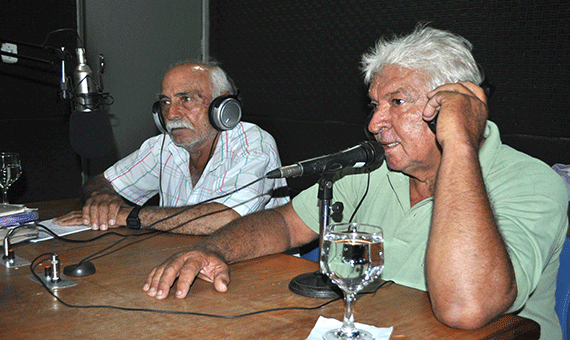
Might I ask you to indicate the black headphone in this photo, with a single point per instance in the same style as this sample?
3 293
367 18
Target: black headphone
224 113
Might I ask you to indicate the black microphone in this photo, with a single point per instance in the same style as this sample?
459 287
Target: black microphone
90 129
363 155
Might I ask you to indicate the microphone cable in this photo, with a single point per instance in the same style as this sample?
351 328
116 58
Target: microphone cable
139 231
210 153
150 310
161 311
72 30
160 166
70 240
362 199
36 224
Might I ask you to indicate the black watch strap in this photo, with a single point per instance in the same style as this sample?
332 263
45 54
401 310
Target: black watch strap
133 220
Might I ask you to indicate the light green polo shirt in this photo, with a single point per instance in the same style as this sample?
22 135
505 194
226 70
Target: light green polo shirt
529 201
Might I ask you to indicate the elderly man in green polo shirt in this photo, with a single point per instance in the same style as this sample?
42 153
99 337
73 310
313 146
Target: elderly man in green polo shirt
477 224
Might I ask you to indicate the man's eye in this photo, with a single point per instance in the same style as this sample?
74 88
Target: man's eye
164 102
372 107
397 102
186 99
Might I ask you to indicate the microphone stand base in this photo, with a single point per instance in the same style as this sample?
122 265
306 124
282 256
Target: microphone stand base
61 283
314 285
16 262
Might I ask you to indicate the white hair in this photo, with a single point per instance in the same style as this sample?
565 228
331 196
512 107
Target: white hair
219 80
445 57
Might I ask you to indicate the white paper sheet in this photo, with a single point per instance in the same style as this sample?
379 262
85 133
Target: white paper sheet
58 230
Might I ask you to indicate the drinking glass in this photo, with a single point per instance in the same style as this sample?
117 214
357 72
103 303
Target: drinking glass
11 171
352 256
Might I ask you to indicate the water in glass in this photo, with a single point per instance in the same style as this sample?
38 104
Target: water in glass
352 256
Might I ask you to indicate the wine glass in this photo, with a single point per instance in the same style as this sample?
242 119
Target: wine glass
352 256
11 171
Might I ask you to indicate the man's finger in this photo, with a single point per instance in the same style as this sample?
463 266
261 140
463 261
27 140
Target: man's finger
221 282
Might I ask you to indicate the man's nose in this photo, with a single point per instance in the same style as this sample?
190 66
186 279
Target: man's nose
173 111
379 120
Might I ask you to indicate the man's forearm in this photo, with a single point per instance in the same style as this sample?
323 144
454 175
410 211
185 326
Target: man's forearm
97 184
467 265
200 220
249 237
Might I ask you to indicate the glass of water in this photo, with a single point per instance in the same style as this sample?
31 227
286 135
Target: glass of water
11 171
352 256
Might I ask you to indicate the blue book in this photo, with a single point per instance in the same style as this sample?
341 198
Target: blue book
25 216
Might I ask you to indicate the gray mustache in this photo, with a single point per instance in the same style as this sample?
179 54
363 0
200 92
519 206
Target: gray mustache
178 124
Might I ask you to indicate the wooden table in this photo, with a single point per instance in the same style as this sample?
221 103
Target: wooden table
30 312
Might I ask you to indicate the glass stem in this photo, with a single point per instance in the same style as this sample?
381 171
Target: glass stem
5 195
348 328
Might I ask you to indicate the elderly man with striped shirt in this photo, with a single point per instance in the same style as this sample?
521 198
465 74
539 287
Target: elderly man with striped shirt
194 167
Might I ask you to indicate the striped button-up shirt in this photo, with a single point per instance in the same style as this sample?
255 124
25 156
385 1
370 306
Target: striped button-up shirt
241 156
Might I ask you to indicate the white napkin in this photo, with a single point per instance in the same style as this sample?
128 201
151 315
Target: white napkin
325 324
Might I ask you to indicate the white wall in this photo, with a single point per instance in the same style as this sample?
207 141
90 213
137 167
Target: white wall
139 40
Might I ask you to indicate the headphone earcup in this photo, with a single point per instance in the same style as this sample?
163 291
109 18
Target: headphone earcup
225 112
157 116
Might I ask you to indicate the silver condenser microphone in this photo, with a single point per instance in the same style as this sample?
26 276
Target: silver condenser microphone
85 90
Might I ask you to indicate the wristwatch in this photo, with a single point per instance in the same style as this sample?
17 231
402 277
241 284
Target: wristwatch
133 220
